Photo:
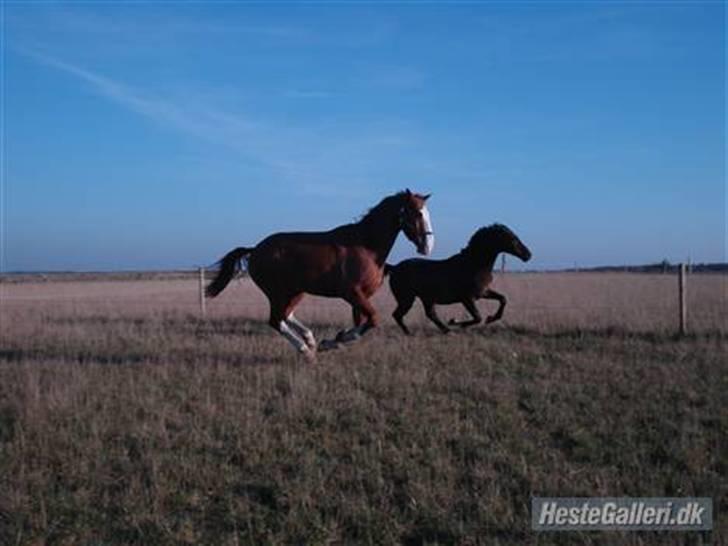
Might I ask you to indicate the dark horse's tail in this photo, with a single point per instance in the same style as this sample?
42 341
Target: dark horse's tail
229 265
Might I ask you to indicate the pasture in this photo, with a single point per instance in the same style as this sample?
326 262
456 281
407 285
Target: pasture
126 418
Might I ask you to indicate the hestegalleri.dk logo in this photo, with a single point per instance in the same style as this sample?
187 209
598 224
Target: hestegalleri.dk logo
621 513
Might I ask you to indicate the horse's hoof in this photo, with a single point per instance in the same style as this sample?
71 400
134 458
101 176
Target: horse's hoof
347 336
328 345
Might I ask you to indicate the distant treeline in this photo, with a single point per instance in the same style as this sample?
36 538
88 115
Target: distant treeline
71 276
51 276
660 267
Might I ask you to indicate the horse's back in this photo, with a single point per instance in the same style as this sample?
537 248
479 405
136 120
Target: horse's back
439 281
419 266
415 275
319 263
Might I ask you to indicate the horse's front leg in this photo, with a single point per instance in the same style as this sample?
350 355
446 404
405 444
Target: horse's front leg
302 330
493 295
470 306
361 307
432 315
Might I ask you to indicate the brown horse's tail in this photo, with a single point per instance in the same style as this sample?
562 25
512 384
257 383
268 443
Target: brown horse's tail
229 265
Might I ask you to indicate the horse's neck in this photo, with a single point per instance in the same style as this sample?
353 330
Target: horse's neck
379 237
484 262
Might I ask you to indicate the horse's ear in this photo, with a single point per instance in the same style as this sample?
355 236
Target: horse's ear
408 192
426 197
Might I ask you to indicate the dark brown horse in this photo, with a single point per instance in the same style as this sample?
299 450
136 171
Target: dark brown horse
346 262
462 278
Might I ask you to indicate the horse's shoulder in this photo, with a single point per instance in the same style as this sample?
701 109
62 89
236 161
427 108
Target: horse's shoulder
483 278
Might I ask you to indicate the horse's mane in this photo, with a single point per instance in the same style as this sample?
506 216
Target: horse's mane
385 206
482 238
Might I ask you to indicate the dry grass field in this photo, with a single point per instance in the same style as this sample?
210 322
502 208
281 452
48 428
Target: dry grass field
125 418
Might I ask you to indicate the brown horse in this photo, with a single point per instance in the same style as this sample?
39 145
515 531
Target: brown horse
346 262
462 278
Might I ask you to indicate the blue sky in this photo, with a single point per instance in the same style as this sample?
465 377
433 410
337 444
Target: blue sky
160 135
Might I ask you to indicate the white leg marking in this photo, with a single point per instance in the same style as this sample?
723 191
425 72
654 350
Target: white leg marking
302 330
292 338
430 236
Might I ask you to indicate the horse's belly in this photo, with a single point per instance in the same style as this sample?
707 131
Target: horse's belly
436 289
447 299
321 270
292 268
325 290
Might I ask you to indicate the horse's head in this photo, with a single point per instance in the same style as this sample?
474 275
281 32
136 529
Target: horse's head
415 221
499 238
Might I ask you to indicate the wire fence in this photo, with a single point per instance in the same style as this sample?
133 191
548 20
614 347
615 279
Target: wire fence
630 301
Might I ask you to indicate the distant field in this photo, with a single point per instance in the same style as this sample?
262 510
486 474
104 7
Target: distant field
622 301
125 418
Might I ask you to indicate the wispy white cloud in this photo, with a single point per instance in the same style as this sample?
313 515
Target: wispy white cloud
201 122
317 158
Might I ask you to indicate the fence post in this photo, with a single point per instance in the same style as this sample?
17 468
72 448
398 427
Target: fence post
503 262
683 300
202 292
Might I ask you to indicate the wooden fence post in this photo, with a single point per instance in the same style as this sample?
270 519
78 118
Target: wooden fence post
683 301
503 262
202 292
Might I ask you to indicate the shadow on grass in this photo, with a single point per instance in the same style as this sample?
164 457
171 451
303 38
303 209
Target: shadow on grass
190 358
611 332
246 329
513 332
192 324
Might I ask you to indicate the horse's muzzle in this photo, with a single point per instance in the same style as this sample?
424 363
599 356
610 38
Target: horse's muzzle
427 244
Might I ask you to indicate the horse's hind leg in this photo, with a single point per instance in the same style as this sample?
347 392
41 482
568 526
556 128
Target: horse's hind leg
404 304
469 304
302 330
279 310
493 295
432 315
296 325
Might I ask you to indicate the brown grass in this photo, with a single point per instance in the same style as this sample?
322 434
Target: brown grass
126 419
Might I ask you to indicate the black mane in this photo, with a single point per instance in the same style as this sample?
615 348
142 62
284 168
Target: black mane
385 206
483 238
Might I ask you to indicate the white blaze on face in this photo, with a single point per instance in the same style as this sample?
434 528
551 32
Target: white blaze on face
429 235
